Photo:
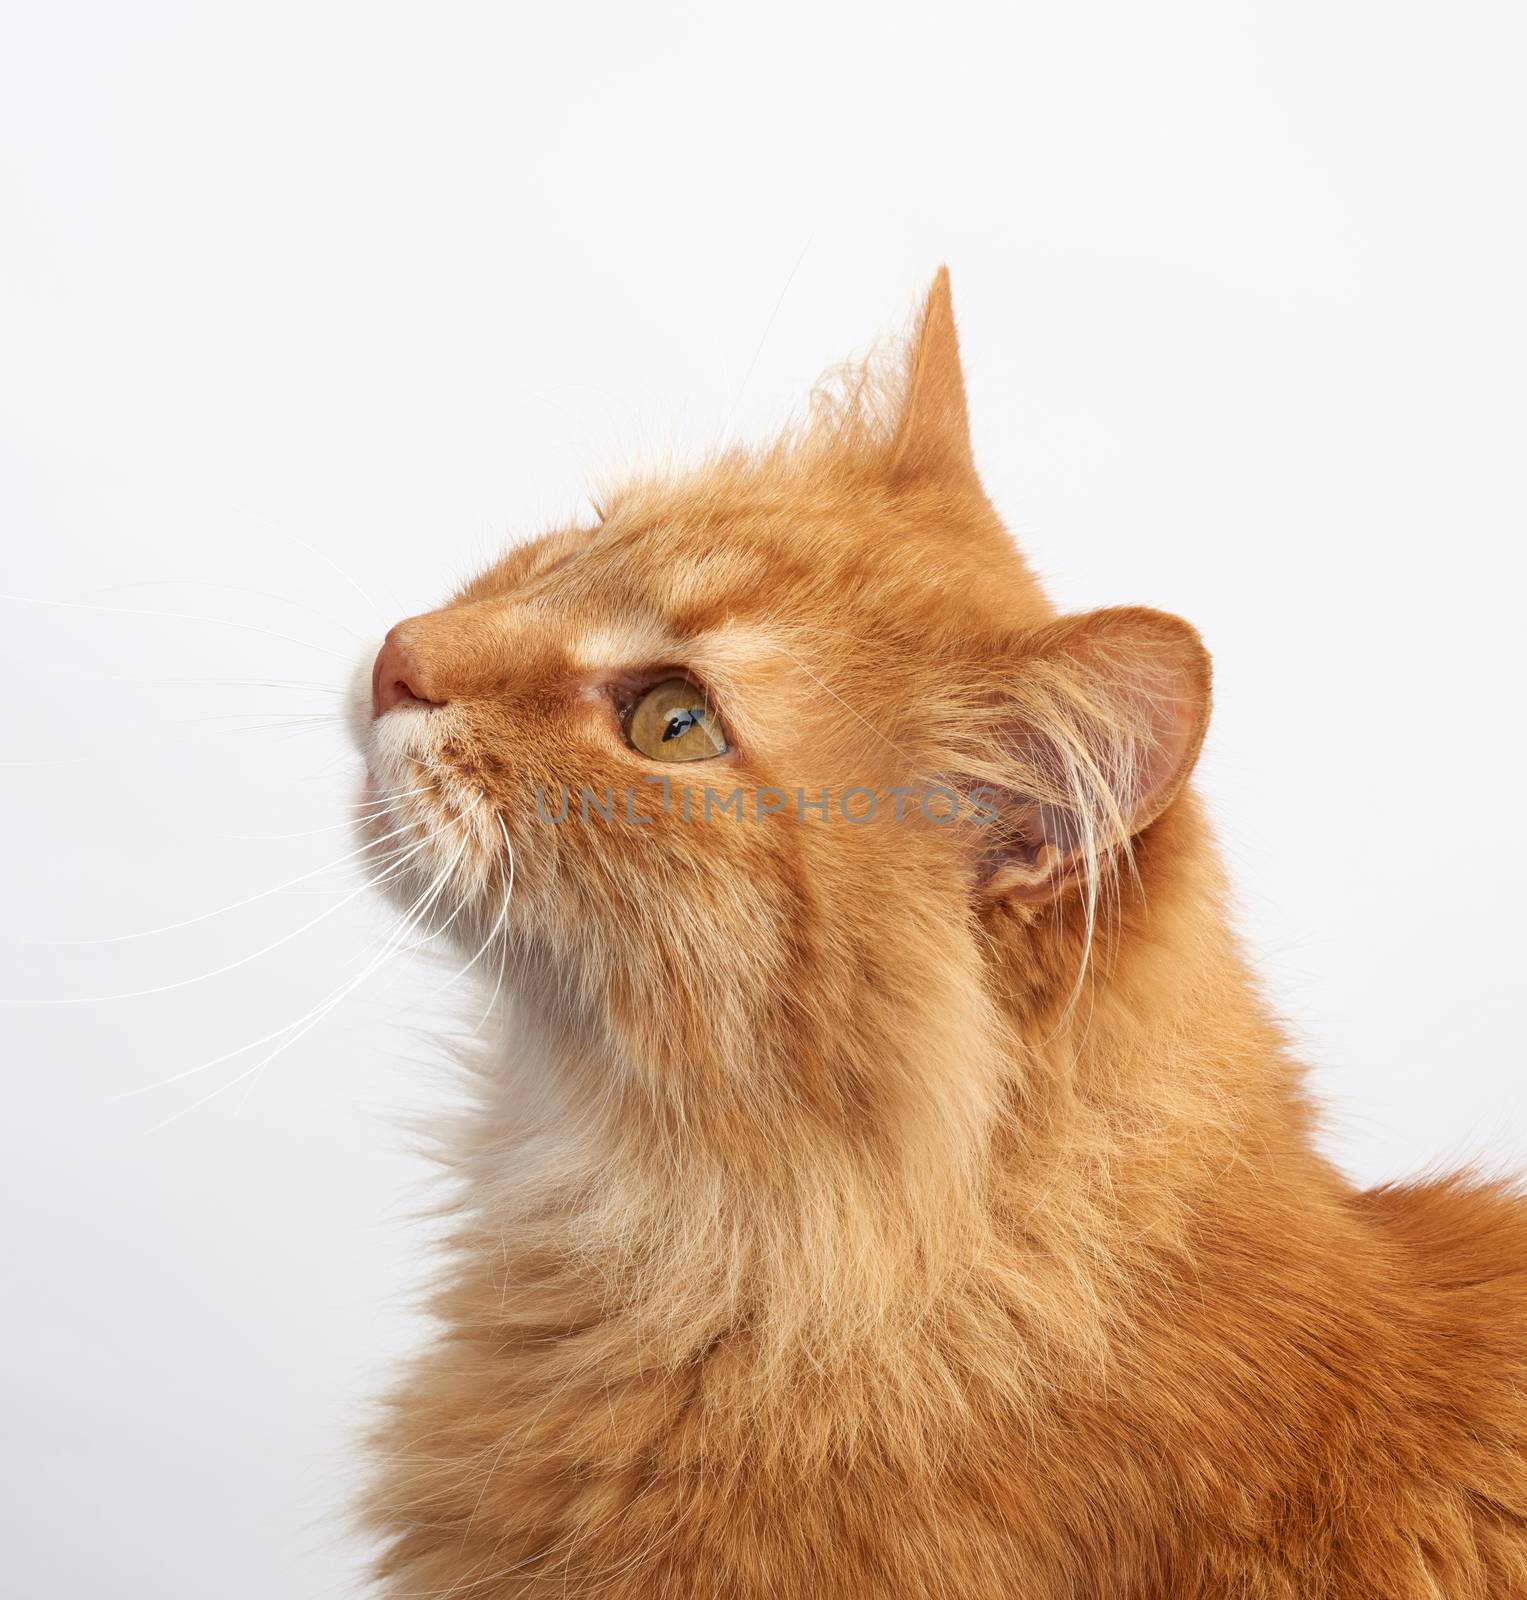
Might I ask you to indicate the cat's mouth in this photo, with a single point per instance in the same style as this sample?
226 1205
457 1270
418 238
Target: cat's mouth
432 842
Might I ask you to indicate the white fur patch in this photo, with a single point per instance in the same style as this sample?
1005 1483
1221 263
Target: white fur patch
621 645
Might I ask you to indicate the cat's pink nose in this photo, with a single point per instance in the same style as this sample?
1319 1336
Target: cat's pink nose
397 679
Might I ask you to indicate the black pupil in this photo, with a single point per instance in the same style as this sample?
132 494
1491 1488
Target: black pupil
680 722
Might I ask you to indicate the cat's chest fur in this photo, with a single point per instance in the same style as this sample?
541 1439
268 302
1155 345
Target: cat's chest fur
1023 1429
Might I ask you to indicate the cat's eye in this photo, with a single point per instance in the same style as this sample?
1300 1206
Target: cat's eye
673 721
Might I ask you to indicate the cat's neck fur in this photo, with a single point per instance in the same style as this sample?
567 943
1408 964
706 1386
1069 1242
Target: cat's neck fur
1126 1100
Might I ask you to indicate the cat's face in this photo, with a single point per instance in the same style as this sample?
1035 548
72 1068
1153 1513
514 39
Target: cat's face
708 771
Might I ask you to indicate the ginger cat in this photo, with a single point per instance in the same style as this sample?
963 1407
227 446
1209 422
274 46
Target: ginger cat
884 1179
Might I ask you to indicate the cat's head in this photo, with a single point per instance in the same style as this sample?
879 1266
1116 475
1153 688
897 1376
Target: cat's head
776 775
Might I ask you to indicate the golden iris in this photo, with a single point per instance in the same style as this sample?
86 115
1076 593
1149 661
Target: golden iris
673 722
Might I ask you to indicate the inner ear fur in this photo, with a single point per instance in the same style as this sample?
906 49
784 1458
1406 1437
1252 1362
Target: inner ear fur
1099 727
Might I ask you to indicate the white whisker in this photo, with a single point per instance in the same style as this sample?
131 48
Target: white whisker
217 1061
57 761
311 684
324 557
235 905
363 808
493 933
374 965
263 721
503 961
174 616
235 588
232 966
274 719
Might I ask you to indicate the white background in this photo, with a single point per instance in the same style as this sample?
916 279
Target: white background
292 292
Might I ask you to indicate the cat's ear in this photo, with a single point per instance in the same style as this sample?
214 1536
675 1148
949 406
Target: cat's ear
932 437
1106 715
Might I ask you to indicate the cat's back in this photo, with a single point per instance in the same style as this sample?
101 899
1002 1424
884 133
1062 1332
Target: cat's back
1459 1236
1456 1246
1459 1253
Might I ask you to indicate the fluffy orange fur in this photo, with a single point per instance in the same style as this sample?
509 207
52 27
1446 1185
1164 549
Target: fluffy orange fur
910 1207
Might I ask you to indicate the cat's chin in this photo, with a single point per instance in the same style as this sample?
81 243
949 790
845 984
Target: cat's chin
428 845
